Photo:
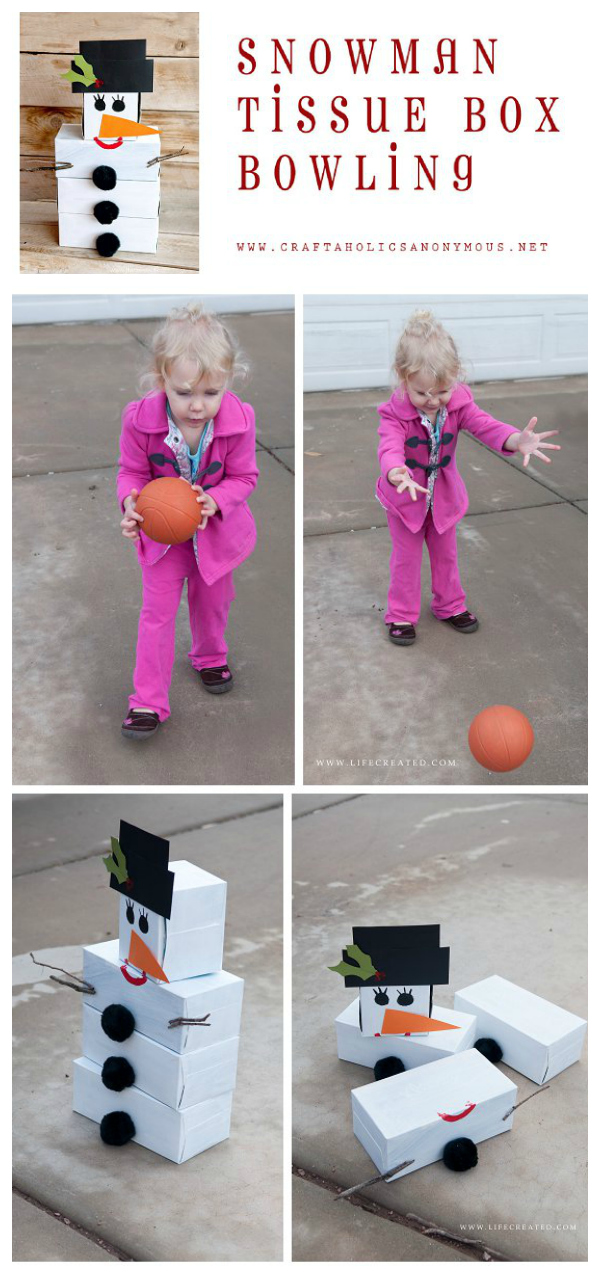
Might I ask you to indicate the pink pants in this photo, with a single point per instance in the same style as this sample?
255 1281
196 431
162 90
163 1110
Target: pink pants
404 599
162 585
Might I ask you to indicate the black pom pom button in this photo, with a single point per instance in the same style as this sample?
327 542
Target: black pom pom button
388 1067
117 1022
490 1048
104 177
460 1155
106 211
117 1073
117 1129
107 244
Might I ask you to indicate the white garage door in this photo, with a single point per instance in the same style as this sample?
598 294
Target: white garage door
41 309
349 340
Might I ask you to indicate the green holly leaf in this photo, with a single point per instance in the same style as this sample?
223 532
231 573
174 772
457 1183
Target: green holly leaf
364 966
116 862
86 73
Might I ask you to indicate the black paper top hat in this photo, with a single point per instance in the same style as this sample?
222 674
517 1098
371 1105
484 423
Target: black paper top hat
399 955
144 875
119 66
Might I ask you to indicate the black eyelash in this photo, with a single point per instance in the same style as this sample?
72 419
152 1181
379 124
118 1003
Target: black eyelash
405 998
381 997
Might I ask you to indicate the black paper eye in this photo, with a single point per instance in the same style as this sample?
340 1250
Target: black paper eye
130 913
144 925
99 102
405 998
118 104
381 997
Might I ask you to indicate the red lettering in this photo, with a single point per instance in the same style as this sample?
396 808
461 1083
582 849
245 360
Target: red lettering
339 115
475 112
325 172
287 58
248 103
307 115
412 115
504 115
362 58
380 128
320 71
488 58
451 55
430 176
547 116
249 170
291 173
405 58
243 47
463 173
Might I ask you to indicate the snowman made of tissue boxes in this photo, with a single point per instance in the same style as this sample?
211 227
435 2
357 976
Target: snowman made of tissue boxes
161 1019
108 169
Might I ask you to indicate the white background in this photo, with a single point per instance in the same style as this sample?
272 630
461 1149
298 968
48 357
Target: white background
526 187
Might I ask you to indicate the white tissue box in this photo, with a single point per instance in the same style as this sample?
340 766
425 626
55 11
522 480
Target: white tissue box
177 1080
352 1045
153 1006
536 1038
412 1116
176 1134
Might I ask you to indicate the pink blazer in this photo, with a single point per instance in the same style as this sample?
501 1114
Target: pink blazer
403 441
230 535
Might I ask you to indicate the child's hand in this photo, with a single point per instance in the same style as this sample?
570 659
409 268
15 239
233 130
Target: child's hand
130 525
401 478
209 506
528 442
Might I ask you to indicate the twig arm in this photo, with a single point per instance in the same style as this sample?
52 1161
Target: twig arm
375 1179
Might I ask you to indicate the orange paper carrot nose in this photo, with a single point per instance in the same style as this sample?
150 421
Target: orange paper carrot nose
401 1022
116 127
141 956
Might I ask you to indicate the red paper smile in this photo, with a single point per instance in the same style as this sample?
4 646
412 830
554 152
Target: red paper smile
455 1117
109 146
133 979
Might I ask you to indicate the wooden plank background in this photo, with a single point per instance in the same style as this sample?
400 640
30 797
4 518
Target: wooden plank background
48 42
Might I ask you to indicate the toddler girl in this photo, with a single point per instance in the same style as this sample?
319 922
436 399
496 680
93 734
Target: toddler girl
418 437
188 423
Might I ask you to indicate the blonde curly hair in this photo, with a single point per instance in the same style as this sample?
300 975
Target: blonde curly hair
199 336
424 344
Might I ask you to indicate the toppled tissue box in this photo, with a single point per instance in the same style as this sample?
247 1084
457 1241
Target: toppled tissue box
536 1037
411 1117
413 1051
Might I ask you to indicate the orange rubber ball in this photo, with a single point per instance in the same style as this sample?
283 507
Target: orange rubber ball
170 510
501 738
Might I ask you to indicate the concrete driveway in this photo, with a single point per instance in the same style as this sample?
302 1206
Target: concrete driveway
75 1198
77 586
378 714
505 876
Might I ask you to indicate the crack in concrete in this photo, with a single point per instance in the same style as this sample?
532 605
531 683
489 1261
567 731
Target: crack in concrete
107 467
473 1247
109 1247
352 796
474 516
174 832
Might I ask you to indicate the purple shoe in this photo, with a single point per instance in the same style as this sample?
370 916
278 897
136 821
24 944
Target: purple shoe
216 680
